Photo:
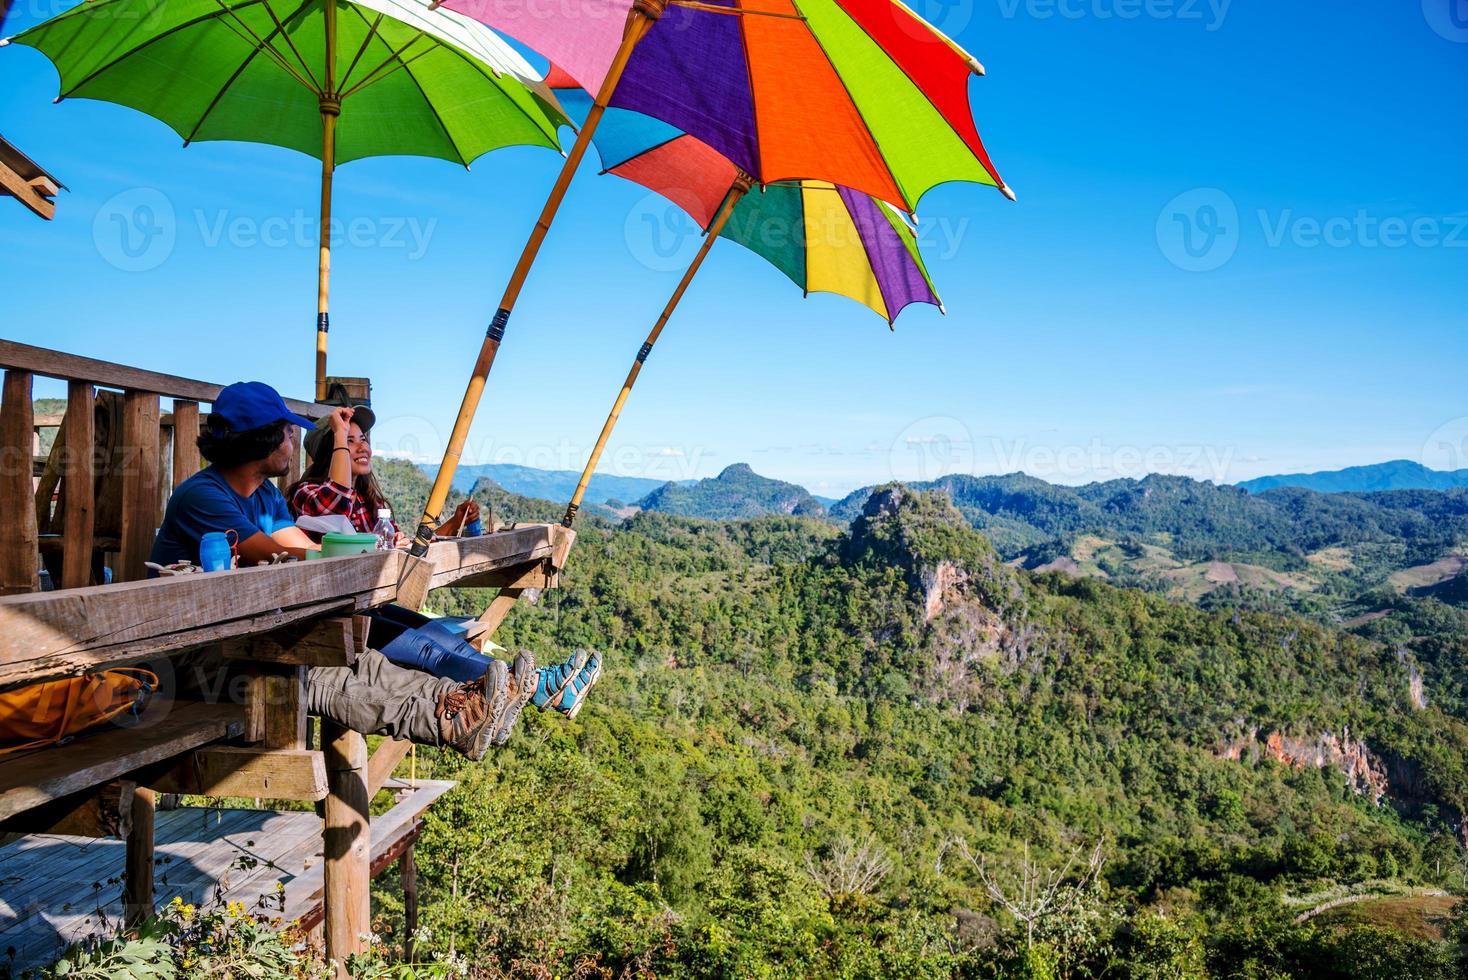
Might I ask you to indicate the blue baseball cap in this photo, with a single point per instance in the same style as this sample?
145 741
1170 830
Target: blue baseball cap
247 405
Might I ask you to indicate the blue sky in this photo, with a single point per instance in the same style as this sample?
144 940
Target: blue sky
1239 248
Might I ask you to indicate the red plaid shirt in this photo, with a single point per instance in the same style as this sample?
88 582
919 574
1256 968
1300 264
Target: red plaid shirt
321 499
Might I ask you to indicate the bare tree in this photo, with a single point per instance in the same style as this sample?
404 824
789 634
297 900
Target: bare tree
1036 894
853 868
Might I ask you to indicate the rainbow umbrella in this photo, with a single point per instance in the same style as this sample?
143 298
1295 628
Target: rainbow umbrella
860 93
824 237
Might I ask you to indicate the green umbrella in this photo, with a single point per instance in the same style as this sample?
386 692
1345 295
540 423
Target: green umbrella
336 80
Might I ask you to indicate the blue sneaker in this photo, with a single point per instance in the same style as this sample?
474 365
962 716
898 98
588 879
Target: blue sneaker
564 687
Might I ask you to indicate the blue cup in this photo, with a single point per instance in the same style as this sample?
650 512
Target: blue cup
214 553
474 528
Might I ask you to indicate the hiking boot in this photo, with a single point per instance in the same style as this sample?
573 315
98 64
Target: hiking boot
564 687
522 688
466 714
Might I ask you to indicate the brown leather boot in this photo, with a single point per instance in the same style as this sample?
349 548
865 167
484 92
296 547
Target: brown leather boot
522 687
466 714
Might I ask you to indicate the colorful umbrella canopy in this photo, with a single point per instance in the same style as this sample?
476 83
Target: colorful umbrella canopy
862 93
334 79
826 238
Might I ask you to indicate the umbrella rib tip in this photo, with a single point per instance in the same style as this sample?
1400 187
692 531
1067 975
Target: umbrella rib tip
977 66
1005 190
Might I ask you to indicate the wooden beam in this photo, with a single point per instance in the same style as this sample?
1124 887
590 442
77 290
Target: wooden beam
227 770
36 778
335 641
55 364
137 883
414 581
276 707
78 475
19 553
304 894
59 633
458 561
31 193
542 575
139 483
100 812
348 844
384 760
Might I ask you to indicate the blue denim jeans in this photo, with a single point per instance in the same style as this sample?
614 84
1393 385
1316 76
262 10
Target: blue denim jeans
429 645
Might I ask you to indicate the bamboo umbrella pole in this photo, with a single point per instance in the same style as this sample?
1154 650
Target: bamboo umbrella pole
640 19
741 186
329 112
331 108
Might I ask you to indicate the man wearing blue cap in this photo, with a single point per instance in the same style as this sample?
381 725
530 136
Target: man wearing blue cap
251 439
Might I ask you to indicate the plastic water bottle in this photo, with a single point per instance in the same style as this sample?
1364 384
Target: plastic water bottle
386 530
214 552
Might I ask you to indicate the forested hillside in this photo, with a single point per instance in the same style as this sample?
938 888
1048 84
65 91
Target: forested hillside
836 752
737 493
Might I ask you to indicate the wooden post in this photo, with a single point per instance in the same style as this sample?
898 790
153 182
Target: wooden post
19 544
348 839
137 893
78 475
185 440
139 482
408 872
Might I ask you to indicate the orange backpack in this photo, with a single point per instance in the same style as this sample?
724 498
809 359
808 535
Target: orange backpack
51 712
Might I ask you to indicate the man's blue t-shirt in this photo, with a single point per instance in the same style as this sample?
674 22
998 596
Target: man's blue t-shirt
206 502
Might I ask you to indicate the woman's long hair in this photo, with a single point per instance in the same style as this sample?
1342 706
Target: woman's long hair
366 486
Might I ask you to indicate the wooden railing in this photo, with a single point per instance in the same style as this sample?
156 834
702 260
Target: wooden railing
97 497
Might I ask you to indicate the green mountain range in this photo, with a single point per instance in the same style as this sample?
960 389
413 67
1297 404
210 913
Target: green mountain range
549 484
827 751
1399 474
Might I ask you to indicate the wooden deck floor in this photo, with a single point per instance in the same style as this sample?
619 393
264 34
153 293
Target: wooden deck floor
55 890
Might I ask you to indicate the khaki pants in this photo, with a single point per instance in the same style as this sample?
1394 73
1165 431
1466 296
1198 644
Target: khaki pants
377 697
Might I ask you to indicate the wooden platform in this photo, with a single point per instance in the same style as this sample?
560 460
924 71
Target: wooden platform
55 890
53 634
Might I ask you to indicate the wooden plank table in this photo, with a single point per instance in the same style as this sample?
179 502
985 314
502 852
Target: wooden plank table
53 634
